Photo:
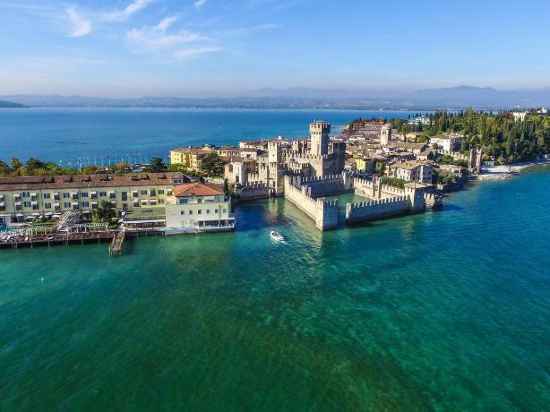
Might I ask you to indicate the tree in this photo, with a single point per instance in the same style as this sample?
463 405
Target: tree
157 165
104 213
4 169
16 164
213 165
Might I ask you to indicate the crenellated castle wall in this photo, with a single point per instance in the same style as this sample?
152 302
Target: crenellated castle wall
377 209
323 212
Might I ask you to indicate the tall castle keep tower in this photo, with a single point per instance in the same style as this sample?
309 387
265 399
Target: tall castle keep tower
385 135
319 132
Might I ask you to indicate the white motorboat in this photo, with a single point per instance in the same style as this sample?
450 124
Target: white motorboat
276 236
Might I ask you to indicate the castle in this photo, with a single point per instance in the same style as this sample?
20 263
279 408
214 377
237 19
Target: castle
306 172
318 156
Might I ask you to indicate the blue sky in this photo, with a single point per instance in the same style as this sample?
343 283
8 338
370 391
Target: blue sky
226 47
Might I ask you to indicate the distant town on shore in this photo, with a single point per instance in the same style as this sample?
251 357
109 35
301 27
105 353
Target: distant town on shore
392 167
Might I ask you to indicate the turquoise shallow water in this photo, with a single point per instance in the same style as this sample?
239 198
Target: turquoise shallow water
446 311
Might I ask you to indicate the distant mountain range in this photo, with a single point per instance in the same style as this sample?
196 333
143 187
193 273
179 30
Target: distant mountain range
9 105
301 98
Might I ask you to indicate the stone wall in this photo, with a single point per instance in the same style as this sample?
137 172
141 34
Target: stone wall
324 213
328 185
377 209
253 191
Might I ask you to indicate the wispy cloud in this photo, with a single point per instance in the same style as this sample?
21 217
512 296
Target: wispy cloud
124 14
181 44
166 23
200 3
244 31
80 26
190 52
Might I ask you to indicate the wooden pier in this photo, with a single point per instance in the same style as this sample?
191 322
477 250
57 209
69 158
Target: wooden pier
115 238
117 244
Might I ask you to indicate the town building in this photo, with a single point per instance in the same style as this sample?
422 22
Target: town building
190 157
27 197
198 207
419 172
447 143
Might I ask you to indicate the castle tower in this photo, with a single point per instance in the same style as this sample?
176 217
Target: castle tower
273 152
475 160
319 132
385 135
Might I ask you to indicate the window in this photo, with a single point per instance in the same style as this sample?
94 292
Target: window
18 206
161 201
102 194
65 195
161 191
135 194
26 204
207 211
35 206
216 211
85 205
48 205
182 212
199 212
112 195
183 201
84 194
66 205
46 195
152 192
124 196
144 192
56 196
25 194
190 212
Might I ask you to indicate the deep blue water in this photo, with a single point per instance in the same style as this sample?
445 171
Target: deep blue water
103 135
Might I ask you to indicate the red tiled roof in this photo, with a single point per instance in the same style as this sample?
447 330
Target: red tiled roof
197 189
84 181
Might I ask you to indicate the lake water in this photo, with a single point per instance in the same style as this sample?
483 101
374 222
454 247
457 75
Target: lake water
103 136
446 311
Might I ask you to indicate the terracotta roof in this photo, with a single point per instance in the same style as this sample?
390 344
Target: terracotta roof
197 189
85 181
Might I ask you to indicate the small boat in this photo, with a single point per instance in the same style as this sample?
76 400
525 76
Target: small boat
276 236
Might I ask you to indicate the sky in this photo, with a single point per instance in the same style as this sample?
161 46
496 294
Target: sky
131 48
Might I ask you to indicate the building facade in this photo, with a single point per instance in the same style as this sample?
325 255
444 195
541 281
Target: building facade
447 143
25 197
198 207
